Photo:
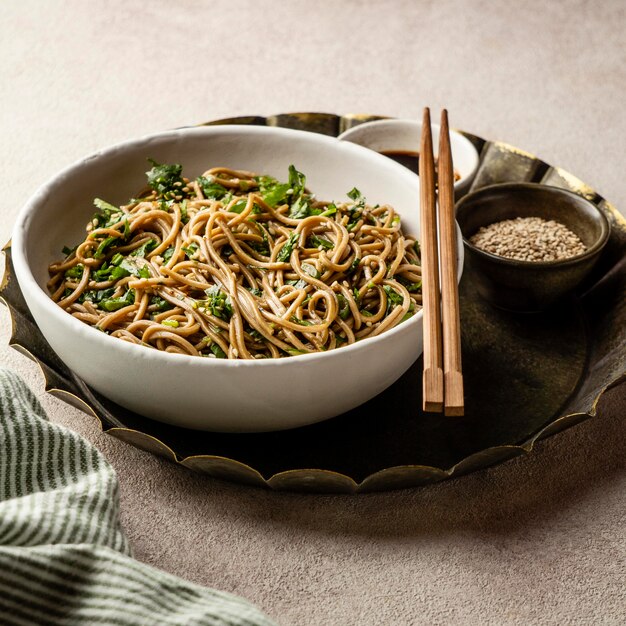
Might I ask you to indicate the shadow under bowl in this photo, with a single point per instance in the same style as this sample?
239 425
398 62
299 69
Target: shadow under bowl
530 286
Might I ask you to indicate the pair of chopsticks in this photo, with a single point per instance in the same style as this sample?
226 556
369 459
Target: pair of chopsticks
442 383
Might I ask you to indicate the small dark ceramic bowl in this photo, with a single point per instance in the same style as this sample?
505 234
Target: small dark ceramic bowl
526 285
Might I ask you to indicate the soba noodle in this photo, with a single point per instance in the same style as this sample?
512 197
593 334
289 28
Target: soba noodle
239 265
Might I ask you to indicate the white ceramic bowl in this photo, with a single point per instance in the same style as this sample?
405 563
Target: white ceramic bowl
400 135
215 394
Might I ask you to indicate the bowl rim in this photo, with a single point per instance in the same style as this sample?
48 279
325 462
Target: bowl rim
101 340
590 252
401 121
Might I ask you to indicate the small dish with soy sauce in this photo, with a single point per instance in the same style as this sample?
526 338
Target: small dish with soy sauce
399 140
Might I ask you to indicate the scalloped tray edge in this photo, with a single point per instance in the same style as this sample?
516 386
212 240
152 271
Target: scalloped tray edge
401 476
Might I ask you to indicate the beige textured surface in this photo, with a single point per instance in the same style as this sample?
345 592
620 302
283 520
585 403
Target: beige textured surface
538 540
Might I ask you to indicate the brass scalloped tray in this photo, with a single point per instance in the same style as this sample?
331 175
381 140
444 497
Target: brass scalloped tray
526 376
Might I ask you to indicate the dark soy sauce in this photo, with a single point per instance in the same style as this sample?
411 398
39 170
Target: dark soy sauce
409 159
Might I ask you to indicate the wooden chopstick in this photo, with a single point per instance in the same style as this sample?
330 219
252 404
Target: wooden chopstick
442 388
432 381
453 377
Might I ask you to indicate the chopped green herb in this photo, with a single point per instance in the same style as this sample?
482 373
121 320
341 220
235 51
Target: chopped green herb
354 266
293 192
316 242
410 287
294 352
184 216
226 200
344 307
287 249
262 247
67 251
210 188
311 270
217 351
126 234
297 320
256 292
393 297
297 181
165 179
331 209
96 295
114 304
75 272
218 303
160 304
106 207
108 215
103 273
298 284
353 222
355 194
300 208
366 313
239 206
410 313
145 248
355 216
104 245
111 272
171 323
275 194
355 213
117 259
300 200
167 255
191 249
307 269
120 272
130 265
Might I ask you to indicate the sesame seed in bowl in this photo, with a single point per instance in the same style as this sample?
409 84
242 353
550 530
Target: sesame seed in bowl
528 245
529 239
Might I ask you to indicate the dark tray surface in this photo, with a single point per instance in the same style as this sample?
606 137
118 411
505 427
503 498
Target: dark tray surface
526 376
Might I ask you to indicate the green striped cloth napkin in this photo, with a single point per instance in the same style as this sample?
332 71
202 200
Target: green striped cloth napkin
63 556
